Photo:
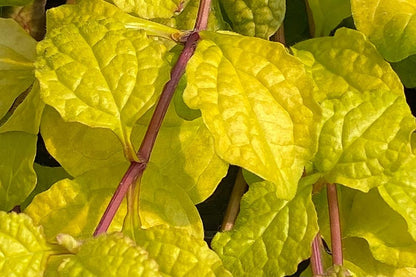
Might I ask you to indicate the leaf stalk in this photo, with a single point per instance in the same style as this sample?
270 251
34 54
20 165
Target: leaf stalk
334 219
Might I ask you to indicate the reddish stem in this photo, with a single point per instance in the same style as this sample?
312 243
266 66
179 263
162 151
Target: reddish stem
136 168
334 220
316 258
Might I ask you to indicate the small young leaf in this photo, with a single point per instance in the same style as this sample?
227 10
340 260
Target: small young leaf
101 74
389 24
17 177
327 14
361 96
23 251
109 255
256 101
255 18
17 50
179 254
76 206
271 236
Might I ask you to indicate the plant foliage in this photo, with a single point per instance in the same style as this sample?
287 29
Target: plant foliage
330 109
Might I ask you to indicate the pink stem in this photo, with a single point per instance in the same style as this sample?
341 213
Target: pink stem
316 258
334 220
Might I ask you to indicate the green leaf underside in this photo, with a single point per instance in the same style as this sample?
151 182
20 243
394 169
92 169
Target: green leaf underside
23 250
255 100
255 18
15 2
400 194
271 236
405 69
17 51
17 177
27 116
101 74
109 255
152 8
75 206
361 97
327 14
389 24
179 254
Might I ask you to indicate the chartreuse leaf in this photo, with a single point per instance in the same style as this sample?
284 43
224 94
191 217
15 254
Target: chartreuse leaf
76 206
405 69
77 147
101 74
179 254
256 101
271 236
23 251
389 24
17 177
255 18
17 53
109 255
400 194
151 8
15 2
327 14
27 116
361 96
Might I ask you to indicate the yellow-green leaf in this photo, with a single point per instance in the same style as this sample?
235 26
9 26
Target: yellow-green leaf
256 101
24 251
76 206
109 255
17 53
361 97
405 69
389 24
17 177
180 254
101 74
254 17
271 236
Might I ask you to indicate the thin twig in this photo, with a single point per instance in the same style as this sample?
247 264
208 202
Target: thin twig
136 169
280 35
240 186
334 220
310 19
316 258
